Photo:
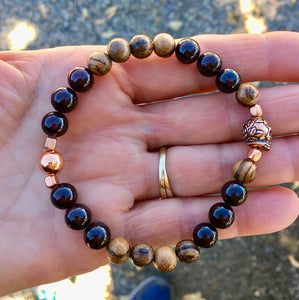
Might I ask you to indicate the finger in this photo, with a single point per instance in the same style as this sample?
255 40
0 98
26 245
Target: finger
198 170
217 118
254 57
167 222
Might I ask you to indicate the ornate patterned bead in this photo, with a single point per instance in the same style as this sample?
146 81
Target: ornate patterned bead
205 235
54 124
209 64
234 193
221 215
164 45
119 50
64 99
51 162
165 259
78 216
142 254
99 63
141 46
187 51
256 111
97 235
80 79
51 181
63 196
257 133
118 250
228 81
187 251
247 94
244 170
254 154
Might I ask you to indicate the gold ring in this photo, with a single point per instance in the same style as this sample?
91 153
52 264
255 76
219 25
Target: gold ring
165 188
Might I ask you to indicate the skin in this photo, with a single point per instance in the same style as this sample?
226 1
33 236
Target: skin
111 151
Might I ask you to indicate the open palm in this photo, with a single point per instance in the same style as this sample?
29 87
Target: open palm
111 151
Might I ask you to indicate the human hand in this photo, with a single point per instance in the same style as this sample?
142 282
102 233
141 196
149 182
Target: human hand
111 151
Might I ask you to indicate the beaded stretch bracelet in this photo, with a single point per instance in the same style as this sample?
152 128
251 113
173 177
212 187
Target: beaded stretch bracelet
255 131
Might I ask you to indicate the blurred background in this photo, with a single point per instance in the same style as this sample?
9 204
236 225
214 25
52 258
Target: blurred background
261 267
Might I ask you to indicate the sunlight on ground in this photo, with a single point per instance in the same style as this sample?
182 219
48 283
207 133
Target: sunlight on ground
21 36
252 23
94 285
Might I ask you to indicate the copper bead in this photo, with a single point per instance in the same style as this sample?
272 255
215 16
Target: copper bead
51 181
50 144
164 44
51 162
165 259
247 94
244 170
119 50
256 111
254 154
118 250
257 133
141 46
99 63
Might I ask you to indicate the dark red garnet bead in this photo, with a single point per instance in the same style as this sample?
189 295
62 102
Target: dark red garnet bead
63 195
209 64
80 79
228 81
54 124
97 235
78 216
205 235
234 193
187 51
64 99
221 215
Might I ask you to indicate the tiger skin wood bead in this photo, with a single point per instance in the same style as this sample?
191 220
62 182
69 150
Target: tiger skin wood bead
142 254
99 63
141 46
187 251
164 45
119 50
165 259
118 250
247 94
244 170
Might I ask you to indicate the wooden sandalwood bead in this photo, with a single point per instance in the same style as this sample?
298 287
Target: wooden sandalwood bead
119 50
165 259
247 94
118 250
187 251
164 44
142 254
99 63
141 46
244 170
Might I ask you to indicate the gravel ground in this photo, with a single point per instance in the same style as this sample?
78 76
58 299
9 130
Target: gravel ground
263 267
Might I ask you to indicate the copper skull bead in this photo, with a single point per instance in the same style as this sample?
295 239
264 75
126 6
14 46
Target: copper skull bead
257 133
